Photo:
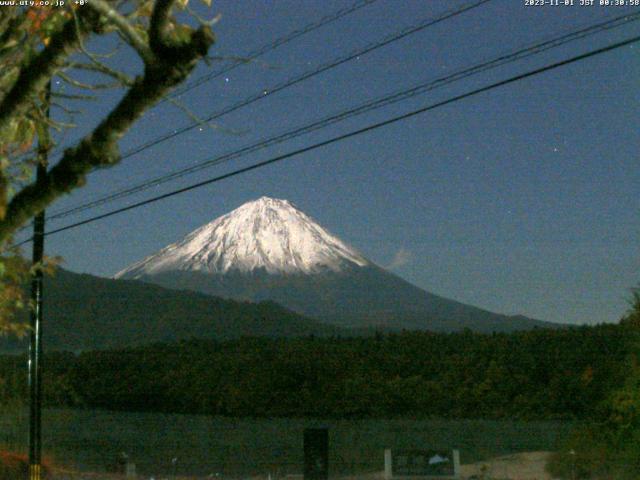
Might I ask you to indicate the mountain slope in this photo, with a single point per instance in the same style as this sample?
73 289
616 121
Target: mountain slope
367 297
269 250
84 312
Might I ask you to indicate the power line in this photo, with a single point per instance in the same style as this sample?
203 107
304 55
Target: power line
351 134
262 50
426 23
363 108
275 44
307 75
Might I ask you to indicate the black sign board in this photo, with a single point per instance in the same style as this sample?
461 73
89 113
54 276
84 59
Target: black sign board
423 463
316 454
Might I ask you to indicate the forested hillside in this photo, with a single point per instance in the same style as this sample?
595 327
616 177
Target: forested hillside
85 312
535 374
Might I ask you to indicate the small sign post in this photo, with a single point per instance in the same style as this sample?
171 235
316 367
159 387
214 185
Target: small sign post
426 464
316 454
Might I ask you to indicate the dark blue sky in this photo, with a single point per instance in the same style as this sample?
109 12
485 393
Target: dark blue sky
523 199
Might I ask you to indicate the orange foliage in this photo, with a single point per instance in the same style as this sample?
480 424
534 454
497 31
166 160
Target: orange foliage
37 15
15 466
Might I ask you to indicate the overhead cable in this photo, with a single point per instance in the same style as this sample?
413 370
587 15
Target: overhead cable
360 109
351 134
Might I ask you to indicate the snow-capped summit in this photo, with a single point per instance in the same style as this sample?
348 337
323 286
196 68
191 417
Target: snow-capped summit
267 233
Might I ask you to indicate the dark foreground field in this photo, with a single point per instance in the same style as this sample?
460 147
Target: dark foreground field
92 440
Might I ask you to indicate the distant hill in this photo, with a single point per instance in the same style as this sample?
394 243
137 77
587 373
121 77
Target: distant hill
267 249
84 312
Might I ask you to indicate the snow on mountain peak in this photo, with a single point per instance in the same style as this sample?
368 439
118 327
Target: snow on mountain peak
267 233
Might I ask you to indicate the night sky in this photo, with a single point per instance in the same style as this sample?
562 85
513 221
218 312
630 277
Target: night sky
522 200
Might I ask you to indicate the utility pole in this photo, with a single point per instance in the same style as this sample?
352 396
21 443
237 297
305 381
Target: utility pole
35 337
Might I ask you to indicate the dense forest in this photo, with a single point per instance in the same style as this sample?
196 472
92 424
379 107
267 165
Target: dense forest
538 374
607 446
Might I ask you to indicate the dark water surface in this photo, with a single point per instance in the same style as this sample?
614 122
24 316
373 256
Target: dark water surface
92 440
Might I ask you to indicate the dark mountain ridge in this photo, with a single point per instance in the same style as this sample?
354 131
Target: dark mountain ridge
85 312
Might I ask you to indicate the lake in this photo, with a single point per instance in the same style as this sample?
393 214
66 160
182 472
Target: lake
91 440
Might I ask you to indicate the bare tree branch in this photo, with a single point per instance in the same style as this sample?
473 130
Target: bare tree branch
87 86
11 24
70 113
203 123
125 28
72 96
36 74
158 27
100 67
172 64
201 20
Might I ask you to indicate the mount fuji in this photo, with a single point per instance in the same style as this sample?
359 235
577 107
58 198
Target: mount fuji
268 249
267 234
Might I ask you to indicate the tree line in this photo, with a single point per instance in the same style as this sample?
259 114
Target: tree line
538 374
607 445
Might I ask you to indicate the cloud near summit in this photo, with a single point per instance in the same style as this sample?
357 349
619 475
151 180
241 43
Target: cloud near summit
400 258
